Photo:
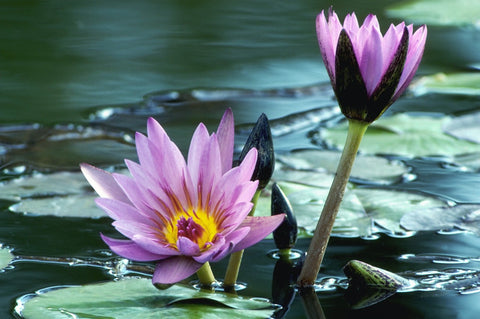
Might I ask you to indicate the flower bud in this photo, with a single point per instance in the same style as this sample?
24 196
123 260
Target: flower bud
261 139
285 235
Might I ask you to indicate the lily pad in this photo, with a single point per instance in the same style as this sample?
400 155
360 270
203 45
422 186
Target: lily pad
405 135
75 205
5 257
441 83
65 194
466 217
365 167
464 127
360 210
138 298
438 12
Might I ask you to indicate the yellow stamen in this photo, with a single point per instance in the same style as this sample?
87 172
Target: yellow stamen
204 224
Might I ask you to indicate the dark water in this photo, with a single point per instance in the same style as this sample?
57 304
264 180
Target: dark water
65 63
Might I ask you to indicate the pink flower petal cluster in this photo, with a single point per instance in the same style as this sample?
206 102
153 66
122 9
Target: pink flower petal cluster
368 70
180 213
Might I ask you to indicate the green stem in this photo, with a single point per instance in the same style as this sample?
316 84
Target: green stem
232 269
235 260
205 275
318 245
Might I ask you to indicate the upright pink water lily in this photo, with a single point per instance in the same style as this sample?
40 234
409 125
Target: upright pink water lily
182 214
368 71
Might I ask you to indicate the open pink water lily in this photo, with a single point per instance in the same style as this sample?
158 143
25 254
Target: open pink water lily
368 70
177 213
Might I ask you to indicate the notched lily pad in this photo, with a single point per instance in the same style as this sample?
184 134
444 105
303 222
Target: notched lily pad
64 194
138 298
365 167
438 12
406 135
465 217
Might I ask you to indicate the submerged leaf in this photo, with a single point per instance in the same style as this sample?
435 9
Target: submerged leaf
406 135
138 298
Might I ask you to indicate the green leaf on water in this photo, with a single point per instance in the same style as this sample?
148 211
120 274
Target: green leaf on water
360 210
465 217
137 298
467 83
366 167
74 205
63 194
5 257
406 135
437 12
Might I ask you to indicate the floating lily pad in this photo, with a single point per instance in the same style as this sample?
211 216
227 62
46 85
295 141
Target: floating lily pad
138 298
440 83
44 185
405 135
75 205
371 168
464 127
65 194
466 217
360 209
438 12
5 257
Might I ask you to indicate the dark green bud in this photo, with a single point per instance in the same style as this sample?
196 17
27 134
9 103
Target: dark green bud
285 235
261 139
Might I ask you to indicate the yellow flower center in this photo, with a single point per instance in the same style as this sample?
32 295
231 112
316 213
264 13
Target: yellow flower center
199 227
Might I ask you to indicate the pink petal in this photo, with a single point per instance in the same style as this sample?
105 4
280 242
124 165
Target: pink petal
370 64
260 227
414 56
187 247
209 171
103 183
231 241
152 193
234 216
132 228
214 249
155 131
135 194
118 210
198 144
150 244
174 269
130 250
327 33
225 133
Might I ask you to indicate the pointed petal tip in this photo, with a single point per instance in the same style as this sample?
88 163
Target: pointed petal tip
174 269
